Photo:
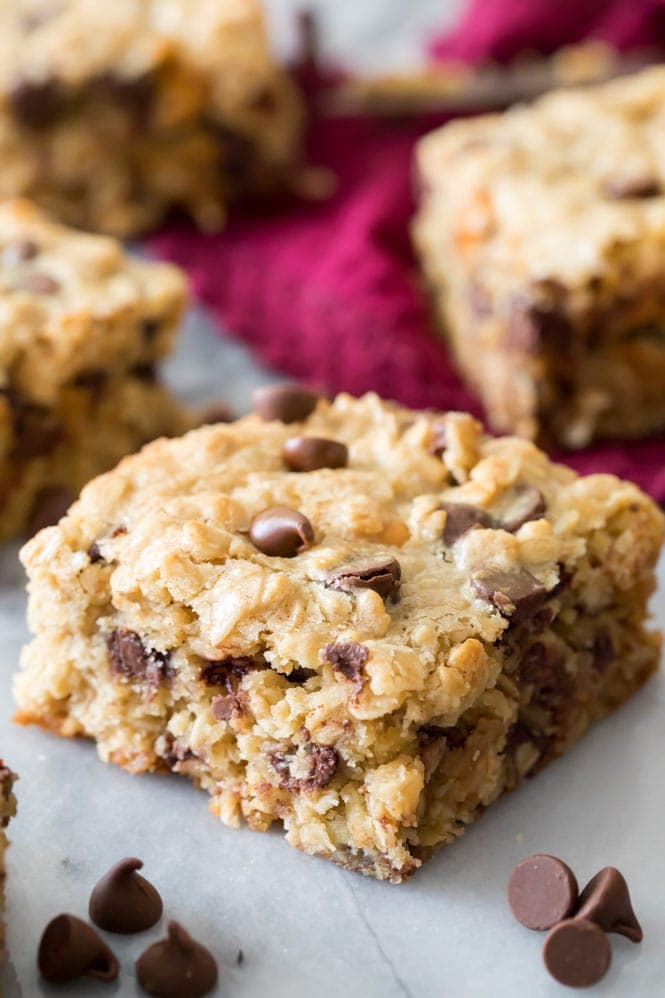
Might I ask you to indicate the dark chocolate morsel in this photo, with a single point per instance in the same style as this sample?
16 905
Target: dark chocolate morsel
383 575
320 766
347 658
460 518
177 967
577 953
606 901
36 104
130 658
36 282
123 901
70 948
525 503
516 594
312 453
642 186
18 251
49 507
94 553
281 532
542 890
287 403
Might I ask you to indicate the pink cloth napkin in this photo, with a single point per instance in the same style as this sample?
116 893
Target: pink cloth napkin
329 293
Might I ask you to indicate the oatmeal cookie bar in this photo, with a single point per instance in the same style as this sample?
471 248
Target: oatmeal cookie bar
113 113
542 235
7 811
81 327
359 621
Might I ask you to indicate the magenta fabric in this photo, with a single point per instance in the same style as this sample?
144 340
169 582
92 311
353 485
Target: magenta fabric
329 293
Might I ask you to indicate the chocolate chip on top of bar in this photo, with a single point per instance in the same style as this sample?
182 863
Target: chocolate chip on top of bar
361 622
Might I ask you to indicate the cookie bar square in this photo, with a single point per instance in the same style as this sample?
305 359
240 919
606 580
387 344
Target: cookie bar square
113 114
541 233
82 326
7 811
364 623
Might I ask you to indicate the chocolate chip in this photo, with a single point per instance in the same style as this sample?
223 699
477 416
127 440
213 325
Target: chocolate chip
632 187
577 953
130 658
35 282
229 671
287 403
383 575
37 431
19 251
321 762
460 518
37 104
145 371
232 705
543 666
348 658
134 94
70 948
123 901
177 967
524 503
606 901
94 553
49 507
312 453
603 651
531 326
516 594
281 532
542 891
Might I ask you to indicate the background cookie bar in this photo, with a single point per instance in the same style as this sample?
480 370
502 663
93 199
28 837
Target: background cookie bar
359 621
7 811
112 114
81 328
542 234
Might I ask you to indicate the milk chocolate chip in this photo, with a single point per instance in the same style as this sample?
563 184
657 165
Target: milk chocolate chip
606 901
542 891
281 532
525 503
577 953
312 453
383 575
123 901
460 518
177 967
287 403
70 948
347 658
516 594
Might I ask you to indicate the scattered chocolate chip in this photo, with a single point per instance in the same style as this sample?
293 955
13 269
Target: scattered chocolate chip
312 453
632 187
439 438
37 431
383 575
603 651
130 658
94 553
232 705
19 251
516 594
543 667
287 403
460 518
70 948
37 104
455 737
228 672
577 953
281 532
525 503
299 675
123 901
177 967
321 765
348 658
606 901
35 282
49 507
542 890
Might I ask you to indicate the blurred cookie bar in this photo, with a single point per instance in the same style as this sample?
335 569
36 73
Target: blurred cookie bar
113 113
542 236
359 621
82 326
7 811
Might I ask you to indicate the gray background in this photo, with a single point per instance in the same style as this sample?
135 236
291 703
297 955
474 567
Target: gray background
305 927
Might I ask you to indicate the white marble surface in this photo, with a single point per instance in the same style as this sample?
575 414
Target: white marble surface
305 927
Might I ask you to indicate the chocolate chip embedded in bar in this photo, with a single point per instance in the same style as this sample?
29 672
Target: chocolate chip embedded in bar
324 660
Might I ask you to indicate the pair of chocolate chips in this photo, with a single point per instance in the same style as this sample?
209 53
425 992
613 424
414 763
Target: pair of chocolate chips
543 894
125 902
